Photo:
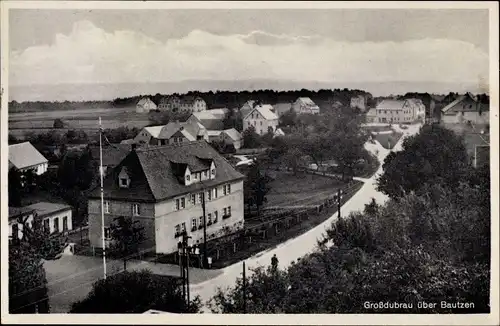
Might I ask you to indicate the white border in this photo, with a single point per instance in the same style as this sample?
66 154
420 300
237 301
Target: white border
374 319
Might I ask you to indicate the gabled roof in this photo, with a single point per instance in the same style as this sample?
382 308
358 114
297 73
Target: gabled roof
152 177
306 101
483 107
391 104
279 132
190 99
189 129
233 134
144 100
112 155
45 208
265 110
214 133
154 131
24 155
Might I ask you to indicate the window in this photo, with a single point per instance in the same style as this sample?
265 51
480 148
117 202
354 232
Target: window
199 175
177 230
200 197
136 210
224 190
177 204
196 176
183 227
215 216
123 182
106 207
193 224
213 172
193 199
107 233
56 225
215 192
209 219
229 210
187 178
205 174
183 202
201 222
261 123
229 188
65 223
46 226
209 195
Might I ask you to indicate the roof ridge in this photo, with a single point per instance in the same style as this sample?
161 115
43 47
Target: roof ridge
174 145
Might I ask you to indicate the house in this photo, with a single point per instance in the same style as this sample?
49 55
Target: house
25 157
358 102
210 119
247 107
186 103
145 105
371 116
399 111
305 105
54 218
179 132
262 118
228 137
163 188
147 134
111 155
281 108
466 108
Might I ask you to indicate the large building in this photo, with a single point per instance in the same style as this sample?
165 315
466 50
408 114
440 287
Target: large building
305 105
24 157
466 108
162 188
183 104
400 111
262 118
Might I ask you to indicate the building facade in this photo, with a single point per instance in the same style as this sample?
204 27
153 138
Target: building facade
262 118
304 105
163 188
400 111
466 108
183 104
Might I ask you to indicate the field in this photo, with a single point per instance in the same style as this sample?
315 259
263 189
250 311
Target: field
87 119
302 189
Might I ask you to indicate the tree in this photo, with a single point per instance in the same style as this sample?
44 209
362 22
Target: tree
256 187
288 118
15 187
27 280
135 292
434 155
250 138
58 124
126 236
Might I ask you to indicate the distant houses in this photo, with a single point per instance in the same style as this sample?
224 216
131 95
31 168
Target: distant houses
466 108
25 157
185 103
210 119
305 105
262 118
145 105
358 102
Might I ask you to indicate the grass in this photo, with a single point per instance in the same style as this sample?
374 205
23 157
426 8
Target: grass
288 189
388 140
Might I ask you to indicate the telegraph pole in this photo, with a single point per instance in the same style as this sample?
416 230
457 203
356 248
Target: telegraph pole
244 289
204 227
102 201
339 194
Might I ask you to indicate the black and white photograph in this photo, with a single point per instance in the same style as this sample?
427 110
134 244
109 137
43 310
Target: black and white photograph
298 162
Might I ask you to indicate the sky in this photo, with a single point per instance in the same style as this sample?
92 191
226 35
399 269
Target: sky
50 47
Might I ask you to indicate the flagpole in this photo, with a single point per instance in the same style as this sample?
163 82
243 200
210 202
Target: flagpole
102 200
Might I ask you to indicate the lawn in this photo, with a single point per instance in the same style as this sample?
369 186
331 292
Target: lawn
388 140
288 189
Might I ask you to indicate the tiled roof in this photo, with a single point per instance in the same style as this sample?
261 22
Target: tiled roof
214 133
15 212
189 129
152 176
391 104
307 101
112 155
45 208
233 134
24 155
265 110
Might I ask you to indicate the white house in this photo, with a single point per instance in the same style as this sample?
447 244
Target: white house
400 111
262 118
25 157
210 119
145 105
466 108
305 105
55 218
147 134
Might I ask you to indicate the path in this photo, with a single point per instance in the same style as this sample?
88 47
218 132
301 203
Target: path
304 244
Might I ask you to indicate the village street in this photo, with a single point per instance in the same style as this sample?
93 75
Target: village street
305 243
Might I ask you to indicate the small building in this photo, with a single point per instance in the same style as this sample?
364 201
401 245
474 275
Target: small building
232 137
466 108
25 157
54 217
305 105
145 105
210 119
358 102
262 118
179 132
163 188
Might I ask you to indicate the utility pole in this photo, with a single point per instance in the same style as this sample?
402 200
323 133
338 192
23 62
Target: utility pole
339 194
204 227
244 289
102 201
185 267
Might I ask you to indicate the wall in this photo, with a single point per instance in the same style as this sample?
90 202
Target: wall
484 118
261 125
167 217
59 216
116 209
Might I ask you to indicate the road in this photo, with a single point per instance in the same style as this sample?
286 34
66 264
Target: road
306 243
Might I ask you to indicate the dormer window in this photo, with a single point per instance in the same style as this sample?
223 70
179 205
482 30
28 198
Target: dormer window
123 179
187 177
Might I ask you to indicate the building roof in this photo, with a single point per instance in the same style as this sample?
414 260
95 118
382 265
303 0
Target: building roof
153 176
128 141
15 212
211 120
45 208
144 100
112 155
233 134
154 131
214 133
24 155
189 129
265 110
306 101
281 108
391 104
482 106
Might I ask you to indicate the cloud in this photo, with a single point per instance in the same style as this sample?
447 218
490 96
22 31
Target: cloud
89 54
